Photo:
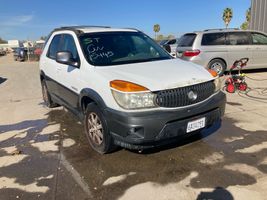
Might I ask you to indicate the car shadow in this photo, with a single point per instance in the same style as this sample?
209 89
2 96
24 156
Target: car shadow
218 193
162 167
250 71
170 164
2 80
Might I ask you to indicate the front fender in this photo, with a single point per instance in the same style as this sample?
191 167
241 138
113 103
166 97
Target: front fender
93 95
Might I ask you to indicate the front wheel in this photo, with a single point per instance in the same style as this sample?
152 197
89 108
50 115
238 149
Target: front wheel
97 131
217 65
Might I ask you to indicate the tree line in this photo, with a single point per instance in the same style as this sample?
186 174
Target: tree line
2 41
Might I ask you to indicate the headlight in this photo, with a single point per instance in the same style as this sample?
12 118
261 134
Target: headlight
217 83
217 80
131 96
134 100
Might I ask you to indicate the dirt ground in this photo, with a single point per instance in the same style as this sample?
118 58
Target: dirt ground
44 153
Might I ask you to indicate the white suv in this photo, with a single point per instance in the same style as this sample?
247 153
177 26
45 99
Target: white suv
127 89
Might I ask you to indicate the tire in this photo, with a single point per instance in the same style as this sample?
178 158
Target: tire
218 65
243 86
97 131
46 96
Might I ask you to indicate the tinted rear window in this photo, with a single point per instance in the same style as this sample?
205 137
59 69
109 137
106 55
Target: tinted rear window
238 38
187 40
213 39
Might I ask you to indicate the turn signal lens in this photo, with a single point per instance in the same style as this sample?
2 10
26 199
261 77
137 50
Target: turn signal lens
125 86
191 53
212 72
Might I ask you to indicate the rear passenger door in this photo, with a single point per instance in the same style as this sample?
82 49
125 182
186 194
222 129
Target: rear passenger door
238 45
213 45
69 76
259 47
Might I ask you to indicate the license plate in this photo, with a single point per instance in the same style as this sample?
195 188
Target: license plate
196 124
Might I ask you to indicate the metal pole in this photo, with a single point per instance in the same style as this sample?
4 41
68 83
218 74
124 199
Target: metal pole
28 52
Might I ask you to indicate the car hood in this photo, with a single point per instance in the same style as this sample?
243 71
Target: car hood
158 75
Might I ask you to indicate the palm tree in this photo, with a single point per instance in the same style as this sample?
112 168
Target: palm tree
156 29
245 25
227 16
248 15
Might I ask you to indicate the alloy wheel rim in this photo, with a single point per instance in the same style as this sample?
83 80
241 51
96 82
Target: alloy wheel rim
217 67
95 128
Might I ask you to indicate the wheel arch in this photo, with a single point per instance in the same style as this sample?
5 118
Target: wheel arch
219 58
42 75
87 96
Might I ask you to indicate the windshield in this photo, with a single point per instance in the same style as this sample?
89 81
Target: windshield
114 48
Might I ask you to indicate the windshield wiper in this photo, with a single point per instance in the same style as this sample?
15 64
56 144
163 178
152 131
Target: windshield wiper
154 59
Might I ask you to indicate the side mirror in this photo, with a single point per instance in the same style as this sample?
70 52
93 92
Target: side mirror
167 47
66 58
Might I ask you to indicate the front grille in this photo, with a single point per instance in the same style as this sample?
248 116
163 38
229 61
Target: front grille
179 97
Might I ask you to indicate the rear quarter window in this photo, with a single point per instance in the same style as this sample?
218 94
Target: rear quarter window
259 39
209 39
187 40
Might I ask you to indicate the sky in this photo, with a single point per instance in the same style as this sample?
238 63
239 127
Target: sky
31 19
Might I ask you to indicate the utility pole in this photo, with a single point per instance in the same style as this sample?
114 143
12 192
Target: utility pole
28 50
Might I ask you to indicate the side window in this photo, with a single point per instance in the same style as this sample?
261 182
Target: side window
213 39
54 47
68 44
172 42
238 38
259 39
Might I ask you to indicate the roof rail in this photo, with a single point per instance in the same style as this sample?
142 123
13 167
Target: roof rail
135 29
221 29
85 26
76 29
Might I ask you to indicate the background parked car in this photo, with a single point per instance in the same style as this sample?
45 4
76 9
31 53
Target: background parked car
170 45
218 49
20 54
2 52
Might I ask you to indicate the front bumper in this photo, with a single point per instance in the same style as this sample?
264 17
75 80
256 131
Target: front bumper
140 130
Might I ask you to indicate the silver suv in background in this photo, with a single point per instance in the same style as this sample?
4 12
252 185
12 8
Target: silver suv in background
218 48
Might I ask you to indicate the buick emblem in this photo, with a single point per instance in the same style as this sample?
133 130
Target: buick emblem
192 95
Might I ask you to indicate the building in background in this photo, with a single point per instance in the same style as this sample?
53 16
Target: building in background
258 15
12 44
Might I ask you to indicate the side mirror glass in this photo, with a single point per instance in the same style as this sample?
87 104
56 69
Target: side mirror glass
66 58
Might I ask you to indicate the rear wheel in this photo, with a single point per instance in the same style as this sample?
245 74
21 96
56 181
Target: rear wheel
46 96
97 131
243 86
217 65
